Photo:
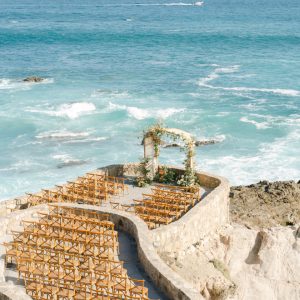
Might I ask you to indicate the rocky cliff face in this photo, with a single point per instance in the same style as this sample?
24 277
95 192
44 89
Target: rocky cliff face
266 204
255 257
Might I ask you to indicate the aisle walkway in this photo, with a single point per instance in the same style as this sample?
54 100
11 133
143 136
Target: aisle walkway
128 254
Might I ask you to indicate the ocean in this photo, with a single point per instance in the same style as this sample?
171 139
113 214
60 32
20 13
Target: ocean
224 70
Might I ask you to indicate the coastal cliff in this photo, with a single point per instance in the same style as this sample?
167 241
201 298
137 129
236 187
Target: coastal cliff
257 256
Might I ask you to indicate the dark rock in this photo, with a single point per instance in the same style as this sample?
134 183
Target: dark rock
33 79
171 145
71 163
206 142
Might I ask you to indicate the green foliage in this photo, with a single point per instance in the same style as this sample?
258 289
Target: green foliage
188 178
144 179
165 175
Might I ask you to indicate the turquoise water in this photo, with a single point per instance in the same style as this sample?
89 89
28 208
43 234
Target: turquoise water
224 69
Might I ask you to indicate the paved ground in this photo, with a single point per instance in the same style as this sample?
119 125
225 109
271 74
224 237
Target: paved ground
128 253
136 193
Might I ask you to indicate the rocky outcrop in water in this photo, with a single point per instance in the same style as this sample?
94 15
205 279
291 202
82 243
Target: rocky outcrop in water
33 79
266 204
197 143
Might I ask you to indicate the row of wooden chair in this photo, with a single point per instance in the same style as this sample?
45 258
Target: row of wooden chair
188 189
71 254
166 204
93 189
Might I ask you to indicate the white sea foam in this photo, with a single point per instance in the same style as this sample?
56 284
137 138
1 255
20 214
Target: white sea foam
62 135
199 3
232 69
292 120
67 160
218 138
22 165
141 114
111 94
207 65
286 92
87 140
70 110
223 114
251 107
278 160
258 125
69 137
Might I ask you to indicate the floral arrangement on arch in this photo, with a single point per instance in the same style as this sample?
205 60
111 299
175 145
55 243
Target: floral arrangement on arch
157 131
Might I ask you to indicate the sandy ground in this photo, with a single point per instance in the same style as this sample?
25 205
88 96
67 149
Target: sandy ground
266 204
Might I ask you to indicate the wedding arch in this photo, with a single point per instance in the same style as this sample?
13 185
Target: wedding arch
153 140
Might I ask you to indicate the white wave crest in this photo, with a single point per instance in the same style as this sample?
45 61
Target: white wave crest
286 92
292 120
141 114
68 137
258 125
57 135
217 138
70 110
232 69
87 140
66 160
114 94
199 3
216 74
278 160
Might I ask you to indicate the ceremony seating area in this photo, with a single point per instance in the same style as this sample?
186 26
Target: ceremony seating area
93 189
72 253
165 204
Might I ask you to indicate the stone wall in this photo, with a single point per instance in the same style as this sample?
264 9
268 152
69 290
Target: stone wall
175 287
168 281
207 216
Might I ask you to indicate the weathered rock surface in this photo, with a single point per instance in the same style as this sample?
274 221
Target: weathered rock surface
240 263
266 204
33 79
254 258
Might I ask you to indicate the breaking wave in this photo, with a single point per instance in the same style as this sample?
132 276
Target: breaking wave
57 135
69 110
232 69
141 114
258 125
67 161
278 160
69 137
199 3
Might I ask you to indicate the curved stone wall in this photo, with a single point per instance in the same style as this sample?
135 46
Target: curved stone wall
208 215
168 281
